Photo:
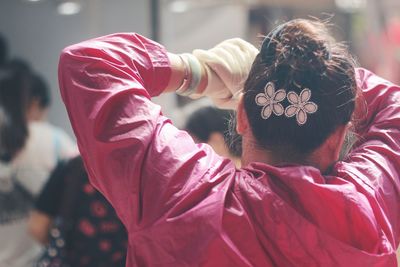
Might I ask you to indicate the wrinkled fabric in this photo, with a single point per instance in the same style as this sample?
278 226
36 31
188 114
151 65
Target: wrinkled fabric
184 205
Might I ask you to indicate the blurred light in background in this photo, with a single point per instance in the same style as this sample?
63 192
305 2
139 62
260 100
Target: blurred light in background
179 6
350 5
69 8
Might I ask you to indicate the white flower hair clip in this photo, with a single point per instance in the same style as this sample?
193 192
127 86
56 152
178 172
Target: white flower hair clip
300 106
270 101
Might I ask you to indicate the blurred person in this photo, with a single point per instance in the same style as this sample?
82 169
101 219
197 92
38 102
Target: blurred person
211 125
43 132
3 50
93 234
293 202
27 155
43 136
41 99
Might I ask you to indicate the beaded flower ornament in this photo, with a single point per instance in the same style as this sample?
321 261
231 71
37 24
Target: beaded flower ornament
299 106
269 100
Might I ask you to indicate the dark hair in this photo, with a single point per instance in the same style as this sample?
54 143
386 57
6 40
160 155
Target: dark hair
40 91
39 88
207 120
297 55
14 99
3 50
20 65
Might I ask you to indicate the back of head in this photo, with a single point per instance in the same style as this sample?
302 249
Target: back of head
40 91
317 78
207 120
40 97
14 99
20 65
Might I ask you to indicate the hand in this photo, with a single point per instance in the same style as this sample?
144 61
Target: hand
227 66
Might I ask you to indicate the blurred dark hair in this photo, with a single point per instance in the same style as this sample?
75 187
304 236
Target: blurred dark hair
207 120
40 91
14 100
38 86
3 50
296 55
20 65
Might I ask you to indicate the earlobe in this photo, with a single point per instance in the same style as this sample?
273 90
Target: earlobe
336 140
328 153
242 123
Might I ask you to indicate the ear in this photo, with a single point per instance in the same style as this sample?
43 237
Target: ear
242 123
328 153
336 139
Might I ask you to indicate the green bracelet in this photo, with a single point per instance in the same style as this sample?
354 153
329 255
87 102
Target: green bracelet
194 78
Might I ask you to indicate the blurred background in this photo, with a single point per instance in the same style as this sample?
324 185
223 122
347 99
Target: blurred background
37 30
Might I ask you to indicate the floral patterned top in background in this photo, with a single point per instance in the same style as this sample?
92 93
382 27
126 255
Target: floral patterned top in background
94 236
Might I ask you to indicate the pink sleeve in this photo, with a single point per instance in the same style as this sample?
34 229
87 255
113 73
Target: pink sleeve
133 154
374 163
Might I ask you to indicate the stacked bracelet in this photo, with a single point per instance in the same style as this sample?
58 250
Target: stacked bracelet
192 76
186 77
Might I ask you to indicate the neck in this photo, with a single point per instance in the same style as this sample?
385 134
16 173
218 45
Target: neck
37 115
253 153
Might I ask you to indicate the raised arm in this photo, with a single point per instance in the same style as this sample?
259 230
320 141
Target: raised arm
133 154
374 164
106 84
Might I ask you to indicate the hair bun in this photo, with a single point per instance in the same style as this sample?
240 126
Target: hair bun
301 58
295 44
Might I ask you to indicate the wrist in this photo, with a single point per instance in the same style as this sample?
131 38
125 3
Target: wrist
177 73
193 69
184 88
188 76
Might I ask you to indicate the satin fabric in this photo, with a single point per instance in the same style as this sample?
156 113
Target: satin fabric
183 205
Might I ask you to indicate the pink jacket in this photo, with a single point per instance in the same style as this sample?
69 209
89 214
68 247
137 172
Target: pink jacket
183 205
